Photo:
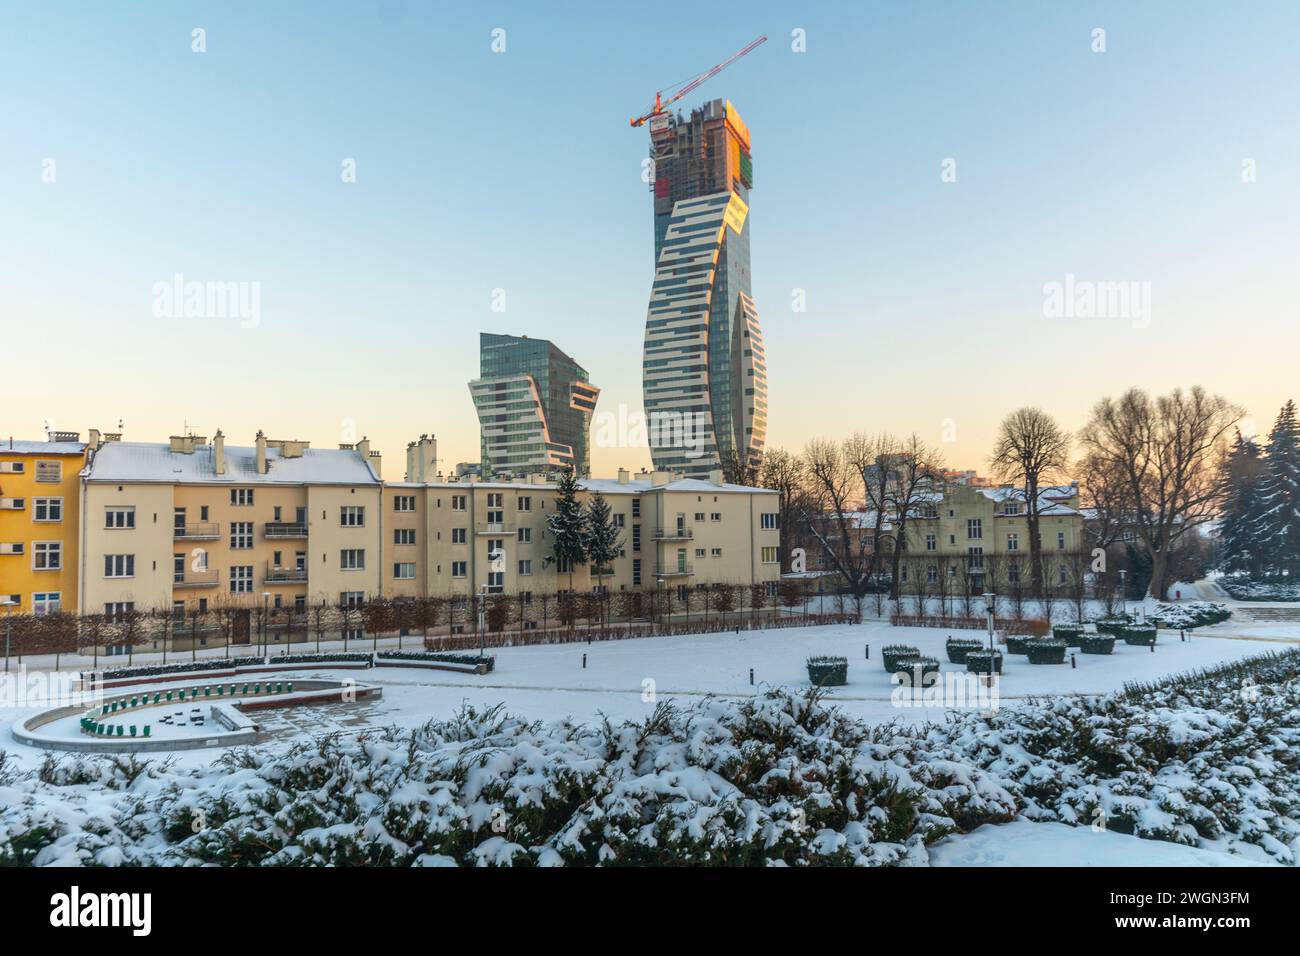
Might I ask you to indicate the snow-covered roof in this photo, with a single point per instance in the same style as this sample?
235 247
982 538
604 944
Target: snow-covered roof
147 461
1050 498
16 447
606 486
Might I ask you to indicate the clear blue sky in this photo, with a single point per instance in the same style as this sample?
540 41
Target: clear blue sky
518 171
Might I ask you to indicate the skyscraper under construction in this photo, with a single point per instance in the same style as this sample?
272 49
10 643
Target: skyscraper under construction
704 371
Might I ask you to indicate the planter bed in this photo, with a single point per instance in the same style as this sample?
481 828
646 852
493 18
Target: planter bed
481 663
1046 650
977 662
828 671
1137 635
1070 633
893 654
1018 643
1097 644
959 647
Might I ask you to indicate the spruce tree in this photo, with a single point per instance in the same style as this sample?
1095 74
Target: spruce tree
1277 529
1242 473
568 525
603 542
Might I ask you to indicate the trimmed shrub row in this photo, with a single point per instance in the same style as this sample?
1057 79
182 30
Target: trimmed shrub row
828 671
441 658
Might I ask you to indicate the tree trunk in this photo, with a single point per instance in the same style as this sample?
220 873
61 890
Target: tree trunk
1159 587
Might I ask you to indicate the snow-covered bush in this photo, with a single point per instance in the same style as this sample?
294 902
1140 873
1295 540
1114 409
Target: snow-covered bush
959 647
828 671
1184 617
776 779
184 667
336 657
1244 589
1045 650
982 662
440 657
894 656
1070 633
1097 643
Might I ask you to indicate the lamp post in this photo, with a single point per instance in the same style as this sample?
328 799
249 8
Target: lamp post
266 601
9 610
659 599
482 611
1123 592
990 606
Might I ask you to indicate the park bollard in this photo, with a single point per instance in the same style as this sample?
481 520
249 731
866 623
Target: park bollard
751 677
867 648
1073 663
584 662
1153 645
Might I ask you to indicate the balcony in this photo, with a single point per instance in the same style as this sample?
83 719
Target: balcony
196 579
674 534
284 529
677 570
286 575
495 527
200 531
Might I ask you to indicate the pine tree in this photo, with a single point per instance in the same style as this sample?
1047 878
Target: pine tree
1277 530
1242 473
569 527
603 542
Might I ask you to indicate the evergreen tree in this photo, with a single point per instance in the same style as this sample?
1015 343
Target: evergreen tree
603 541
1277 529
1242 473
568 524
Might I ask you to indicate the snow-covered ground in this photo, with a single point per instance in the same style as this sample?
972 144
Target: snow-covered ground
624 679
1021 843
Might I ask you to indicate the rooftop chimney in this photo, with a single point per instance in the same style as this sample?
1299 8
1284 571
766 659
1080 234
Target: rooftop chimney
422 459
660 478
219 453
261 452
623 476
715 476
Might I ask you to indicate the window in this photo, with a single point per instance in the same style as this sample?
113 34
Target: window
699 516
458 569
1060 574
1060 541
636 537
975 559
636 572
47 509
931 543
525 566
769 521
769 556
525 503
715 516
404 536
241 535
929 511
352 598
120 517
457 535
352 559
636 507
716 552
525 535
12 467
496 499
49 471
404 503
1011 507
1013 572
1013 541
699 552
241 579
116 611
241 497
931 573
119 565
496 581
46 602
563 565
457 502
974 528
620 520
404 571
352 516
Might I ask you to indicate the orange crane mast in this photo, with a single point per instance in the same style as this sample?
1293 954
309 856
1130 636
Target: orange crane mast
661 105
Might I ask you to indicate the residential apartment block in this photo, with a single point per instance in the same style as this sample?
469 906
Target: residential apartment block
460 537
192 525
39 503
195 525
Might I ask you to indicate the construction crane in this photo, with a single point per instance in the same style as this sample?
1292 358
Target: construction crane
661 104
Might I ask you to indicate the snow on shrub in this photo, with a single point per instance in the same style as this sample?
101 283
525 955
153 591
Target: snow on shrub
1183 617
778 778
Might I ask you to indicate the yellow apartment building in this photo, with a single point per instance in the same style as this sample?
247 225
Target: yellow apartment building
39 506
193 525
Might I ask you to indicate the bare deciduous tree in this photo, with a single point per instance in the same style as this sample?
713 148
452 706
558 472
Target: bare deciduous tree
1030 449
1168 452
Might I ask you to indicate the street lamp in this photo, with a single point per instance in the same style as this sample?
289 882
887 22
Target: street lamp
266 601
659 599
1123 592
482 610
990 606
9 605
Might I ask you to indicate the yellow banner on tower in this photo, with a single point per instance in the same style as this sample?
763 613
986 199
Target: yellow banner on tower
737 210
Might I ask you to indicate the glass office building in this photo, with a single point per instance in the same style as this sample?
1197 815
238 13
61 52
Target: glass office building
534 405
704 369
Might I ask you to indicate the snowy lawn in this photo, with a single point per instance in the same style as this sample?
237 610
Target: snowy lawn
624 679
1021 843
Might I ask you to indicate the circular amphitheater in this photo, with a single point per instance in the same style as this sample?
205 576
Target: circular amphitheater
189 717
